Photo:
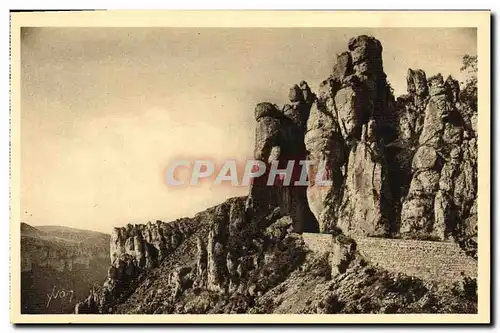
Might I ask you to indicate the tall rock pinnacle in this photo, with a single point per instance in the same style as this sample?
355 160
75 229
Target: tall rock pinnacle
347 128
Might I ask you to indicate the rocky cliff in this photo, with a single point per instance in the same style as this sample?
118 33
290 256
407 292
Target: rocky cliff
401 167
404 167
349 126
439 200
59 266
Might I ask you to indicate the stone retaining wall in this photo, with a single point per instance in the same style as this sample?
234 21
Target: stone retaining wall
439 261
428 260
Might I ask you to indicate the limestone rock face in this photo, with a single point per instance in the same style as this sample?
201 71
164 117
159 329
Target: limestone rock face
343 67
366 52
417 85
60 250
135 249
328 151
345 131
59 258
362 209
201 261
349 106
401 167
280 138
268 130
268 134
216 250
411 107
43 255
295 94
464 197
146 243
441 167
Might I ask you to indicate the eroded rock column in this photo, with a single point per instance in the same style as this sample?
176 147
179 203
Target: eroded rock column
280 139
348 128
326 150
429 209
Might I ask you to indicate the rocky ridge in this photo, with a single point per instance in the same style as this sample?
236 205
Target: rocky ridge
404 167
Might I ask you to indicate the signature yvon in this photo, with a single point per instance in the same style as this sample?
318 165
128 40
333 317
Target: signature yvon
65 294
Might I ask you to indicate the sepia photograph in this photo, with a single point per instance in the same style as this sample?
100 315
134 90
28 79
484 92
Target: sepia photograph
214 163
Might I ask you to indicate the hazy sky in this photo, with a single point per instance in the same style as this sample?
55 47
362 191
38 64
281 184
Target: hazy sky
105 109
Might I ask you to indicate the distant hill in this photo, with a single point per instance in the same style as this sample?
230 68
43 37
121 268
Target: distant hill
27 230
59 265
76 235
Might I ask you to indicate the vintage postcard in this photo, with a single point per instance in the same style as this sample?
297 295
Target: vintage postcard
250 167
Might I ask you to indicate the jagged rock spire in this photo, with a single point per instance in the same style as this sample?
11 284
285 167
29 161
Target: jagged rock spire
346 130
